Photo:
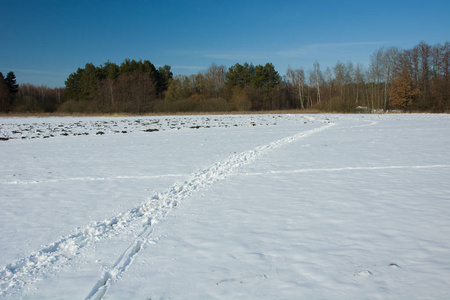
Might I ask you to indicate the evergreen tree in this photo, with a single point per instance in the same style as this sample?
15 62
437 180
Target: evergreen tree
111 70
89 80
164 77
239 75
129 66
266 77
73 85
10 80
5 96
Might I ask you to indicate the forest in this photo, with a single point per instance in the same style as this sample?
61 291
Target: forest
412 80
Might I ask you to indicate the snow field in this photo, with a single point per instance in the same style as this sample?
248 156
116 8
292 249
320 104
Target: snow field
94 156
282 228
311 206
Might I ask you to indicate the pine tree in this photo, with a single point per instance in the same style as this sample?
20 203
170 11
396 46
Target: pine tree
5 97
402 92
10 80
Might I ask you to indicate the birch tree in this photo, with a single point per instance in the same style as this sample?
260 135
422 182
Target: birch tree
375 71
359 80
329 80
297 78
339 74
317 72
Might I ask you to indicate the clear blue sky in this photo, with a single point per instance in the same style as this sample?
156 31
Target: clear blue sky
43 41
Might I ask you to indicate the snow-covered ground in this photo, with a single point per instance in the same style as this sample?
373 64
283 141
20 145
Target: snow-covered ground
225 207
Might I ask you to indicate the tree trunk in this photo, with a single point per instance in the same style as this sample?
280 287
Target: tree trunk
300 89
357 93
111 92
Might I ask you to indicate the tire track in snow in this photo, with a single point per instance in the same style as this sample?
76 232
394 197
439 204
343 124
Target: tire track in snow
27 270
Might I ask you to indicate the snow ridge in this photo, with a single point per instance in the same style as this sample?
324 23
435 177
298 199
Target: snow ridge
121 177
27 270
347 169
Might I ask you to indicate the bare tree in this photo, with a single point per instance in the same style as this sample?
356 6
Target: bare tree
390 57
339 77
135 92
349 78
376 72
359 80
329 79
424 51
317 71
214 80
297 77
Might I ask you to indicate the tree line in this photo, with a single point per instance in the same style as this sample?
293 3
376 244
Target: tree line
131 87
416 79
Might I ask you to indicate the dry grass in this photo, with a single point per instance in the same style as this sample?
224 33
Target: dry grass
265 112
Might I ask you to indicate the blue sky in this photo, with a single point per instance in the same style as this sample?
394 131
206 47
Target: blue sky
44 41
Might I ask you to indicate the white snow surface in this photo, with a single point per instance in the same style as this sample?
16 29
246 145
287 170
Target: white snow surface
225 207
